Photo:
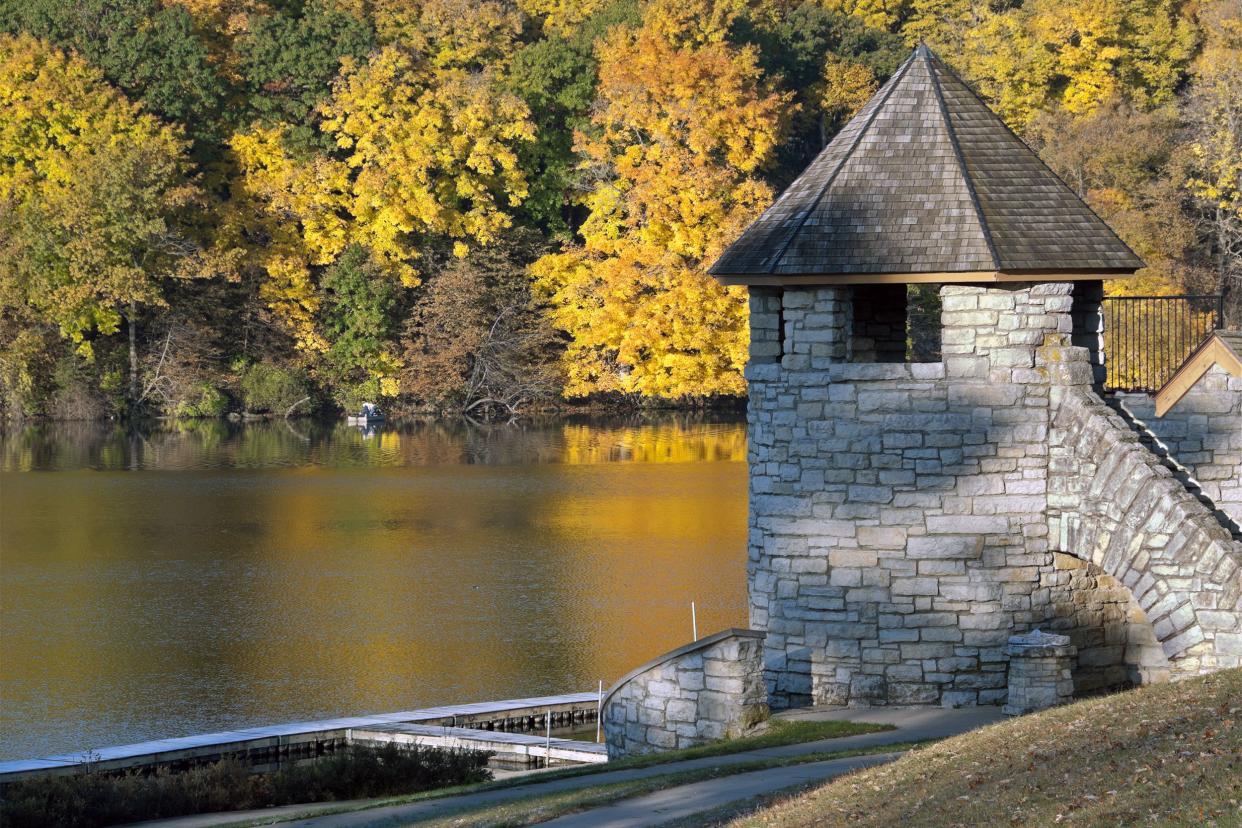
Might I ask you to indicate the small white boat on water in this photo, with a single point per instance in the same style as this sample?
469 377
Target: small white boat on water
369 415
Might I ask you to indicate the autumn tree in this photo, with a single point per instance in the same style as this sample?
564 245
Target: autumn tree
1215 153
423 156
1047 53
562 17
93 189
460 34
476 341
150 51
677 138
1119 160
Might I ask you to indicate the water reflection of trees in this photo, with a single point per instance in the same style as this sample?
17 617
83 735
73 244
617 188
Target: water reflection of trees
205 444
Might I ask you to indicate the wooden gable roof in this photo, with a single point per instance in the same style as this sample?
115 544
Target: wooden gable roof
1223 348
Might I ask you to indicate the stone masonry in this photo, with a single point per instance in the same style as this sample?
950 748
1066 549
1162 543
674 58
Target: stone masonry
1113 503
900 513
695 694
1039 672
1203 433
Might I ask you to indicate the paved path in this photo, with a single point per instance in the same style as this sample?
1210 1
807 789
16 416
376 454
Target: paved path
913 725
687 800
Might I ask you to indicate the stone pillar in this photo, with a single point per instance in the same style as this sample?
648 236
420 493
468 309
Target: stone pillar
1088 317
1039 672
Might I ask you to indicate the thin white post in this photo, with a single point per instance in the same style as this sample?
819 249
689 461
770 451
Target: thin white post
694 621
547 744
599 711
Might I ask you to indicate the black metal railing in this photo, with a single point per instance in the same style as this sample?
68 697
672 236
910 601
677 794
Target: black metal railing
1146 338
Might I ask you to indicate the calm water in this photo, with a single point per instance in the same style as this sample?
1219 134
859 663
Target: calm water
219 576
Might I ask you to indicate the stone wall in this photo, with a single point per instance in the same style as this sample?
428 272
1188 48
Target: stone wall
695 694
1113 503
1203 433
899 512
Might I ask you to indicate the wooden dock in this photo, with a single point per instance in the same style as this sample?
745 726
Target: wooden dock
525 749
264 748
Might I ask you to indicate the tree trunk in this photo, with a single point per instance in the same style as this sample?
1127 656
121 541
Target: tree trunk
1231 302
135 384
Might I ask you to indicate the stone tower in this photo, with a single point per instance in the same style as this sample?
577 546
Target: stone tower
907 517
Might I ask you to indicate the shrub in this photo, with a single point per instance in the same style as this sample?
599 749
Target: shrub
94 799
268 387
205 401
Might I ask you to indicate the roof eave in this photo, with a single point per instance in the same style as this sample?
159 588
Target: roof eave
936 277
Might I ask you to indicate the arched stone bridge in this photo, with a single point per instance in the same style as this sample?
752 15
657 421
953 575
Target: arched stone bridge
1112 502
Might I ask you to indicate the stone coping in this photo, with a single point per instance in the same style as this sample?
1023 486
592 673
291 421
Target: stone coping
771 370
685 649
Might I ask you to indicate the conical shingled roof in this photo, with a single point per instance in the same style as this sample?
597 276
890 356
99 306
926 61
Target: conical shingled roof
925 180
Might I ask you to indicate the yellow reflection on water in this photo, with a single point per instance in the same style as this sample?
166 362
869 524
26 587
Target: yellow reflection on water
191 580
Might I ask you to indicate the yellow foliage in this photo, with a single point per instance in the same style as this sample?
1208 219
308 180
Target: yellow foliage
1078 55
451 33
87 183
847 87
691 22
1217 149
677 138
424 151
561 16
429 153
228 18
54 105
877 14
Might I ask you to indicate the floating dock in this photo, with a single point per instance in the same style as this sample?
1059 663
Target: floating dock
501 726
522 749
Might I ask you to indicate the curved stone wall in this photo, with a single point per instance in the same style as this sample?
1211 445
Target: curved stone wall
695 694
1114 504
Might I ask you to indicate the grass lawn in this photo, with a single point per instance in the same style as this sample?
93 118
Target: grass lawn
1167 755
535 809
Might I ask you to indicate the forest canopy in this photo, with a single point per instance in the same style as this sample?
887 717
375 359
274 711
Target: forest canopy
462 205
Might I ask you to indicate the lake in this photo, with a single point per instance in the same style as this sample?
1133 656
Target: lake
211 576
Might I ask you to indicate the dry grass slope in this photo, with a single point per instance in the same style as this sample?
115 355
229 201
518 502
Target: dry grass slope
1167 755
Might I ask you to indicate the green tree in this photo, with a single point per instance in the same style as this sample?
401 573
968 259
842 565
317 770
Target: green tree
147 49
289 59
556 77
94 191
796 44
355 320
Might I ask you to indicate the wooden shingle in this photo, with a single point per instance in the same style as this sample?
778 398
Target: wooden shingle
925 183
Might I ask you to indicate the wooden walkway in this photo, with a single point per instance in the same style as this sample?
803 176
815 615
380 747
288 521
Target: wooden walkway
264 747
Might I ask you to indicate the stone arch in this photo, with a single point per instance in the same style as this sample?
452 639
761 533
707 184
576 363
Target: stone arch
1116 645
1112 503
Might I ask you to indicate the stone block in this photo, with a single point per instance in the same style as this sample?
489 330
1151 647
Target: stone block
945 546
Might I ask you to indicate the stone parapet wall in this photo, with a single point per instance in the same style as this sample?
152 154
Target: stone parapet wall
1112 502
1203 433
695 694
